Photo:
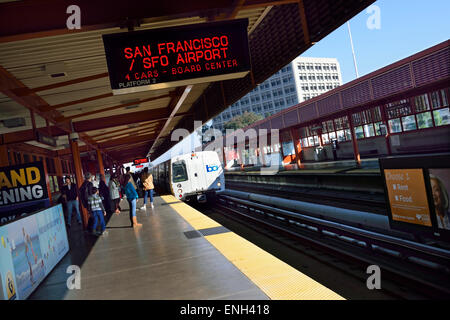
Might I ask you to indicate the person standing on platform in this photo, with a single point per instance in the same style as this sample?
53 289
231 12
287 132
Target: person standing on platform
147 181
70 192
132 197
85 192
97 211
94 181
104 193
114 187
131 177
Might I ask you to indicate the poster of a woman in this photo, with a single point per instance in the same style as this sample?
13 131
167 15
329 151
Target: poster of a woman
440 183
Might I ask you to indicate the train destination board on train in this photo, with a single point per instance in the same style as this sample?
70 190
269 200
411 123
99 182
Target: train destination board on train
177 56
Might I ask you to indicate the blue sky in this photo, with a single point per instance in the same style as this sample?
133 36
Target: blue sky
407 27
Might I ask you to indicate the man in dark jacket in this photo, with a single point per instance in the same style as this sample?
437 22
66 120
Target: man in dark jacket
86 190
85 193
104 193
70 193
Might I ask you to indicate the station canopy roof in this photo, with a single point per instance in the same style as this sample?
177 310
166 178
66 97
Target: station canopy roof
34 39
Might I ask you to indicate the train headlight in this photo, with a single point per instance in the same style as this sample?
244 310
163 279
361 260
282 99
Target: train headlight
179 185
180 191
219 184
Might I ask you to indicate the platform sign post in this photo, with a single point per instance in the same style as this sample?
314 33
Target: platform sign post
177 56
417 194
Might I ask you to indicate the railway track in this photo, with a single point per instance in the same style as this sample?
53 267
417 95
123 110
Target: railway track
409 269
363 201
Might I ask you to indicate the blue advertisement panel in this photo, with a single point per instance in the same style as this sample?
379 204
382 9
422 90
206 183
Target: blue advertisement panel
30 249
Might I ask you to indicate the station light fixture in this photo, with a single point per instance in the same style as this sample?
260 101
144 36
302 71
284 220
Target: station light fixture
14 122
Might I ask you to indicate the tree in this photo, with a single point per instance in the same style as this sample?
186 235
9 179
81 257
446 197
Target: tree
202 133
243 120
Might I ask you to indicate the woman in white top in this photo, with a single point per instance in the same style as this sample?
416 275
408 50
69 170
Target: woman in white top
114 186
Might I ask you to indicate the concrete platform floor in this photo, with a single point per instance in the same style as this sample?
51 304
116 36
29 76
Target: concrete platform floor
156 261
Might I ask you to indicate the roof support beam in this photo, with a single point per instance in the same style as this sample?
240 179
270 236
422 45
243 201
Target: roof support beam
89 125
134 132
67 151
70 82
176 102
301 8
63 119
144 126
42 18
120 120
14 88
127 148
128 141
71 103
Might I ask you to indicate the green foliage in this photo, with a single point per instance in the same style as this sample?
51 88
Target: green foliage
243 120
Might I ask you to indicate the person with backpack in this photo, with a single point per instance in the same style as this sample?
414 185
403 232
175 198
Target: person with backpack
97 210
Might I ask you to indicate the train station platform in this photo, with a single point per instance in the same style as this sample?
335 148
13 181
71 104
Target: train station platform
177 254
367 166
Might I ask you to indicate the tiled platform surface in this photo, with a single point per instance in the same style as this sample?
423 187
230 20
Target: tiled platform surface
156 261
178 253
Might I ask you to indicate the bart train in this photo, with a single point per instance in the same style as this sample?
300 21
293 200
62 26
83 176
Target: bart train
194 176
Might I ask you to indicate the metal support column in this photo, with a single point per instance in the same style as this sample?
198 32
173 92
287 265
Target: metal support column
78 175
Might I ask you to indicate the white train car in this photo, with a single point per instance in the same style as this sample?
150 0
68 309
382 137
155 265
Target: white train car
193 176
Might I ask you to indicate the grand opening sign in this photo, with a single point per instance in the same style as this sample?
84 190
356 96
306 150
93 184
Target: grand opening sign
23 190
170 57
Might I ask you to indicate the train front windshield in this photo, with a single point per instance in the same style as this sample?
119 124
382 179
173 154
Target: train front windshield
179 172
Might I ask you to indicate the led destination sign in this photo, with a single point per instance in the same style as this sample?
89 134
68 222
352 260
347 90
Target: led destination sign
140 161
170 57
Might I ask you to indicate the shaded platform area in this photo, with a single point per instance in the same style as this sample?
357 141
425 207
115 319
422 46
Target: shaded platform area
178 253
156 261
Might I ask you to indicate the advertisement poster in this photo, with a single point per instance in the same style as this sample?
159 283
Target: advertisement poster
23 190
53 239
30 249
26 255
440 187
408 196
7 275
